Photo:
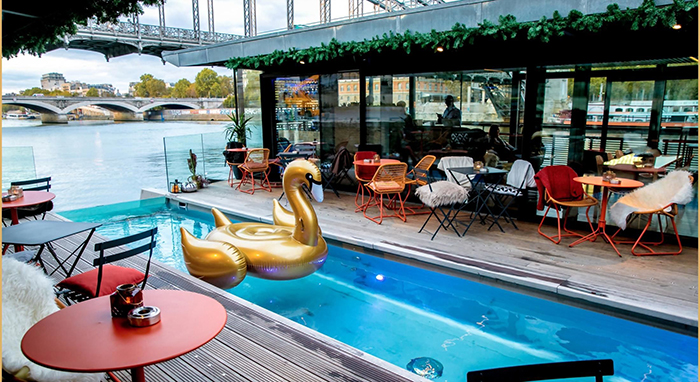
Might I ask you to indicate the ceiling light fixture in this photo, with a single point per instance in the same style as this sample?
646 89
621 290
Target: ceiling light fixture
440 49
302 62
676 26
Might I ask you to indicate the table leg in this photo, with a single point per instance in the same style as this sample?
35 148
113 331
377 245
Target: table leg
138 375
600 230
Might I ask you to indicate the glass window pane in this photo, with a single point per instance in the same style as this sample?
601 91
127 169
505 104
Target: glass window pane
679 121
297 109
557 120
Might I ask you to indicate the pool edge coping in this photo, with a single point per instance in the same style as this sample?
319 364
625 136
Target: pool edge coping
476 268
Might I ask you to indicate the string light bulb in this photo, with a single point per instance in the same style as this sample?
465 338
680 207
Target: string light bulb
676 26
440 49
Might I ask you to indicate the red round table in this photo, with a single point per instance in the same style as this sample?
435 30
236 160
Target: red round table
598 181
85 338
30 198
373 163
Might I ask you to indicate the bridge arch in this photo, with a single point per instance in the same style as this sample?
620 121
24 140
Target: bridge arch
109 105
179 105
41 107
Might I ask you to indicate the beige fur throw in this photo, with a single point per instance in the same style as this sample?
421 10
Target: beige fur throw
674 188
442 193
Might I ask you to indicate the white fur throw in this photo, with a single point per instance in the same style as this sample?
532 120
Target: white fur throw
443 193
674 188
27 297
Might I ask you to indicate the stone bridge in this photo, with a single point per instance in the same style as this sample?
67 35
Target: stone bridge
55 109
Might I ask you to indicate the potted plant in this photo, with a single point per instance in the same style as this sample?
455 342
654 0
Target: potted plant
192 165
236 134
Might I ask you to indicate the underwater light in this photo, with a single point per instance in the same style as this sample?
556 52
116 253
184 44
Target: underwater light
379 277
426 367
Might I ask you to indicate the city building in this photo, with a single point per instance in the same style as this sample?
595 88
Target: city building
52 81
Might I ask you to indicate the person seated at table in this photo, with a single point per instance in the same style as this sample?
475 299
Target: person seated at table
451 116
503 149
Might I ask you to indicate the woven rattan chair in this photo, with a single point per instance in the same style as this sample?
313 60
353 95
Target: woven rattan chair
256 162
389 180
420 178
363 176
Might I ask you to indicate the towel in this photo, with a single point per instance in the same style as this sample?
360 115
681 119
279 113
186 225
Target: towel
559 182
455 162
674 188
521 175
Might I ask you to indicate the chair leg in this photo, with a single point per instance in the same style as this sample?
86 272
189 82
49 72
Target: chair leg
559 235
647 244
360 195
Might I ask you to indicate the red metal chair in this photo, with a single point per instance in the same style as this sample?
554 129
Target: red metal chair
557 181
363 175
256 162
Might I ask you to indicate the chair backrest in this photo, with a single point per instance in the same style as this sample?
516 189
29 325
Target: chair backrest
599 164
42 184
391 173
619 153
307 149
447 163
342 161
559 184
521 175
545 371
103 259
422 169
257 158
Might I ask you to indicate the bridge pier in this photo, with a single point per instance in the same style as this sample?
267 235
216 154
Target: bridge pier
127 116
53 118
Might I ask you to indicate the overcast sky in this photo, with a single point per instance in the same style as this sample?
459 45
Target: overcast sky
25 72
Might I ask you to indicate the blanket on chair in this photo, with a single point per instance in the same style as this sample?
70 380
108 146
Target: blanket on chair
27 297
673 188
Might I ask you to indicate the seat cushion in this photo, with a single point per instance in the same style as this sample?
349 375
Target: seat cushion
441 193
112 277
503 189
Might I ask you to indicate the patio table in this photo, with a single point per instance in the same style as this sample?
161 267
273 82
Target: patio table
483 194
30 198
42 232
86 338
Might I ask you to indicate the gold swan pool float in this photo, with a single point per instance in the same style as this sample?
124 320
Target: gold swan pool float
291 248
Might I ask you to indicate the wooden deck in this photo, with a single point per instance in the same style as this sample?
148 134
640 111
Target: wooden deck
255 345
661 290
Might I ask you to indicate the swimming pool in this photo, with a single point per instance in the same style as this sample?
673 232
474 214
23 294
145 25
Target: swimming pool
398 312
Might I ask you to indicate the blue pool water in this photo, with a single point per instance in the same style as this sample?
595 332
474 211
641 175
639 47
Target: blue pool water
399 312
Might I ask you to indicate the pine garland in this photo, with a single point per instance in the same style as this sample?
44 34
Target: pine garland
647 16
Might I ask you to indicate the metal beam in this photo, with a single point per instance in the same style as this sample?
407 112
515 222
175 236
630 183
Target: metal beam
210 15
290 14
195 17
325 11
356 8
161 17
249 22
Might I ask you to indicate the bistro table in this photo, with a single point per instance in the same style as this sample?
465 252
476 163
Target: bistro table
42 232
598 181
86 338
483 194
30 198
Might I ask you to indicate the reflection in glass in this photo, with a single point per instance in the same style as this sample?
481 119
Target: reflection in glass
297 110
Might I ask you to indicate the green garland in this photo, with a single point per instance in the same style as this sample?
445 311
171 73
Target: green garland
648 15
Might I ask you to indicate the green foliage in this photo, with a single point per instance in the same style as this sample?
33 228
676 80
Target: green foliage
646 16
54 19
34 90
229 102
92 92
205 81
150 87
180 88
192 163
238 128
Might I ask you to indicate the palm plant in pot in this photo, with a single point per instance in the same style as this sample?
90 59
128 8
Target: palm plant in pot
236 134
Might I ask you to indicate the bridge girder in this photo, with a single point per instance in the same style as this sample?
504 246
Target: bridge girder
56 105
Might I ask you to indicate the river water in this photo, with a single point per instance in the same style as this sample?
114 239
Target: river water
94 162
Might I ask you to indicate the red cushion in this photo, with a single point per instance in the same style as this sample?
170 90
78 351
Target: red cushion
112 277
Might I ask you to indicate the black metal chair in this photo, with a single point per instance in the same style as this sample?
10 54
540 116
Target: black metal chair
40 184
545 371
106 277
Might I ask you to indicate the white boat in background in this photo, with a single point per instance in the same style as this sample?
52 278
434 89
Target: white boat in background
13 115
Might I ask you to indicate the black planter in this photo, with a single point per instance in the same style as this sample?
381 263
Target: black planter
235 157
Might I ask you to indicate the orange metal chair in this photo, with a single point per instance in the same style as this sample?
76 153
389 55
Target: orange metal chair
420 177
363 176
390 179
670 215
256 162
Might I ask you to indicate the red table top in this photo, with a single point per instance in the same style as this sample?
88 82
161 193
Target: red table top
85 338
598 181
371 163
30 198
633 168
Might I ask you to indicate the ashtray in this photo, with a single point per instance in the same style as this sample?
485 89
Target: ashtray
9 198
615 181
144 316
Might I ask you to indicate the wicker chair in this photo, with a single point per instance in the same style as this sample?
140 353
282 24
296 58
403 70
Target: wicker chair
420 177
256 162
389 180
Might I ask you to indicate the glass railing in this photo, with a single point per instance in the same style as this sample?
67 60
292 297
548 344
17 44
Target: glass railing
17 164
210 160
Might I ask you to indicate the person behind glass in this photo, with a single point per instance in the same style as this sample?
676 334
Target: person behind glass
503 149
451 116
408 138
